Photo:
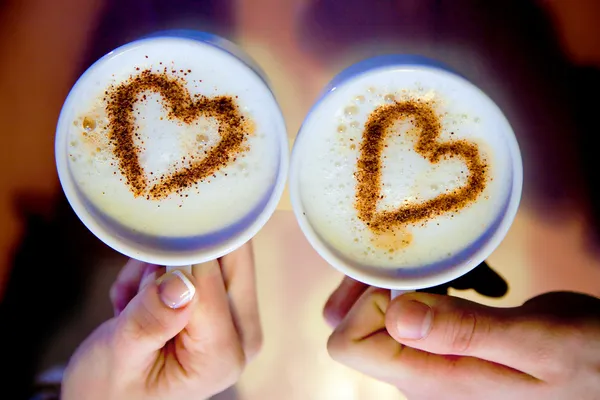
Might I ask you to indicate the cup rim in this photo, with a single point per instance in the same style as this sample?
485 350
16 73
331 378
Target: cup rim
174 258
364 273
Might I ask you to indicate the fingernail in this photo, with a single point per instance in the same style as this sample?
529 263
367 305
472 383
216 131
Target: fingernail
175 289
413 319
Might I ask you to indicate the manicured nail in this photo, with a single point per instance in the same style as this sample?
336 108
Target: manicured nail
413 319
175 289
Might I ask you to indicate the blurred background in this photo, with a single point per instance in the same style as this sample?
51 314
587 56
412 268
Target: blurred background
538 60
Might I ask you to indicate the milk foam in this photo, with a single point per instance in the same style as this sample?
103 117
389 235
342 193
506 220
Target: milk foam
328 147
208 206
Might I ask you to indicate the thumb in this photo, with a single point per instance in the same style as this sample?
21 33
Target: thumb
452 326
154 316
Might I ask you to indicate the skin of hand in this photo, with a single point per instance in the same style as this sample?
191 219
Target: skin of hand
173 336
443 347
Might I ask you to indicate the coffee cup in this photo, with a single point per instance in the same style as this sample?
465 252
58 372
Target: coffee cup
404 175
172 149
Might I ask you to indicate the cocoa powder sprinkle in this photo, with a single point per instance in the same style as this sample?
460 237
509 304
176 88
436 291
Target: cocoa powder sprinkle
369 167
179 105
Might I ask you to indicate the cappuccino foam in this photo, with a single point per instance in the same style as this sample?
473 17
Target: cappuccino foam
403 167
172 138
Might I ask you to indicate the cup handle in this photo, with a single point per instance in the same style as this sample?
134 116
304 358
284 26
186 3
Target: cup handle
185 268
396 293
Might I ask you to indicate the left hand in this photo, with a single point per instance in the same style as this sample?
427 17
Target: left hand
442 347
176 337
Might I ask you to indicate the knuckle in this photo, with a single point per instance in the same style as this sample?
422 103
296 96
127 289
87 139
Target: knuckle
120 340
462 331
556 349
127 330
142 322
235 363
545 356
229 349
113 293
337 346
253 346
224 364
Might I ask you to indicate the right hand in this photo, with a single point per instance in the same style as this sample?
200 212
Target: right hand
443 347
169 340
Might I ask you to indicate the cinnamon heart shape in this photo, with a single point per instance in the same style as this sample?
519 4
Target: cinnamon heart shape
369 166
181 106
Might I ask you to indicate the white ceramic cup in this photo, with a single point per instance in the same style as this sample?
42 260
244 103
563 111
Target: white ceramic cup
415 277
176 251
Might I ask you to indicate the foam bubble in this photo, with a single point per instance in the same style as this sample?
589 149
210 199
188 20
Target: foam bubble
351 110
89 124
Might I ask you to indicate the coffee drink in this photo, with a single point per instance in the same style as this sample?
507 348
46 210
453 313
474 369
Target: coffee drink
171 138
403 168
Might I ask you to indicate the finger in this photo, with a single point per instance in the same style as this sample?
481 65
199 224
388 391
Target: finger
361 342
361 331
342 300
449 325
210 338
240 281
153 317
151 273
126 285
